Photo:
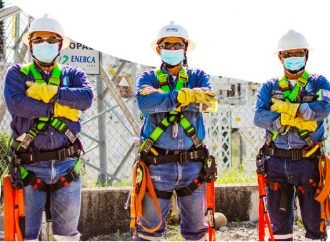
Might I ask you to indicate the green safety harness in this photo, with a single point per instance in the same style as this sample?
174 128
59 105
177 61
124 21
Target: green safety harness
155 156
173 116
269 149
23 154
42 123
292 96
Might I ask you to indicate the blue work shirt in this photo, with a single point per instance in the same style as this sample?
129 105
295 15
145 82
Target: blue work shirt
74 91
318 109
157 105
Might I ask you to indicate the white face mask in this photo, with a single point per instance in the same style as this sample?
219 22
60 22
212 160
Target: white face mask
294 63
172 57
45 52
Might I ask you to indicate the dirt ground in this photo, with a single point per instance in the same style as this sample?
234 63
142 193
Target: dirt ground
234 231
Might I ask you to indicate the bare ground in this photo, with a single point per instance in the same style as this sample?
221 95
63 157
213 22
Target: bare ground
234 231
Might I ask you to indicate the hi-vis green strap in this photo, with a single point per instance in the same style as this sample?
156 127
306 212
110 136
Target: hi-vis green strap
164 124
27 138
292 95
53 80
41 124
173 116
163 79
25 172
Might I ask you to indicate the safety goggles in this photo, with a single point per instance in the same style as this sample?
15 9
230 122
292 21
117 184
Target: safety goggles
168 45
293 54
49 40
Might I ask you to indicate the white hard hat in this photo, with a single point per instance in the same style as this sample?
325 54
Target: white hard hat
46 24
292 40
173 30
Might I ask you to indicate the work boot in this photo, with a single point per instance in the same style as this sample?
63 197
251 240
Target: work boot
67 238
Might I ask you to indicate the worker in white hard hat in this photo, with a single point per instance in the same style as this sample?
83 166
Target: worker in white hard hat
172 98
45 100
292 110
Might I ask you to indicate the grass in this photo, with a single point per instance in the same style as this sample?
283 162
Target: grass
227 176
236 176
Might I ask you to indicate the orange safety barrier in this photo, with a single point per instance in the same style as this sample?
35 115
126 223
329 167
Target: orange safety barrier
142 183
322 192
210 201
263 214
14 214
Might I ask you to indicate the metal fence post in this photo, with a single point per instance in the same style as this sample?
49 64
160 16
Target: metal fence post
102 179
136 110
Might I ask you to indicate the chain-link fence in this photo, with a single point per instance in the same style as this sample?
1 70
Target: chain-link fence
111 126
12 26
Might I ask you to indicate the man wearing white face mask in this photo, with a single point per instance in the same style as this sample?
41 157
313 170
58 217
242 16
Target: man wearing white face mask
292 110
170 98
45 100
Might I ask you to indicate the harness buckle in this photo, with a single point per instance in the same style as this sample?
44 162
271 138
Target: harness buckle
196 141
27 139
182 157
61 154
147 145
309 142
70 136
70 150
193 155
296 154
73 175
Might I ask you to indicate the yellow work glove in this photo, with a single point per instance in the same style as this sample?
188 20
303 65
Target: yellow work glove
41 92
196 95
298 122
66 112
284 107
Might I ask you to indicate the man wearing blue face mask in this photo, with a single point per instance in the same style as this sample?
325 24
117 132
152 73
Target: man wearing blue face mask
170 98
45 100
292 109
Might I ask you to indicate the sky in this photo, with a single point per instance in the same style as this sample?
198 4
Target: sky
234 38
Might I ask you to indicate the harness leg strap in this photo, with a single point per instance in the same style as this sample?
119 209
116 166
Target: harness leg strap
188 190
47 208
284 189
163 194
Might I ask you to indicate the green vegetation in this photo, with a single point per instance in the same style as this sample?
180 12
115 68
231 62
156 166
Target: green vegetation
228 176
236 176
4 150
172 233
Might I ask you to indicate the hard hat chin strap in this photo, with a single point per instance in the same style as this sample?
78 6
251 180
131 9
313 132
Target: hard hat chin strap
45 64
185 60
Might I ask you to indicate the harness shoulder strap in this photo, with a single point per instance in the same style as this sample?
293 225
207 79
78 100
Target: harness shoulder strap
56 75
42 123
285 87
25 69
291 96
53 80
172 117
182 79
163 80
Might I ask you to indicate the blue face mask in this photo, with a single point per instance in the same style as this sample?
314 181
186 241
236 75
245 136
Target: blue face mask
172 57
45 52
294 63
